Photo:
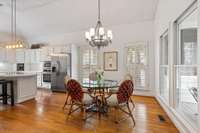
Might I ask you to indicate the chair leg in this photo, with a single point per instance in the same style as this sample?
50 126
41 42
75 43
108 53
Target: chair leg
133 104
66 101
116 114
12 94
70 110
130 114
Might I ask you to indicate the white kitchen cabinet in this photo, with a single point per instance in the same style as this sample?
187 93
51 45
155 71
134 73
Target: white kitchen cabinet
37 55
60 49
20 56
2 54
7 55
32 56
45 54
10 56
27 56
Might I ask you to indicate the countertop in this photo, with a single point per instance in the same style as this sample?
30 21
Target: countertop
16 74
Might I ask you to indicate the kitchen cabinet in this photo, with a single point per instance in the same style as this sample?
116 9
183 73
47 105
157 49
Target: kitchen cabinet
32 56
61 49
20 55
10 56
27 56
7 55
35 56
2 54
45 54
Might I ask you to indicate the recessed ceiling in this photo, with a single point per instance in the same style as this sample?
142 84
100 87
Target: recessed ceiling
54 17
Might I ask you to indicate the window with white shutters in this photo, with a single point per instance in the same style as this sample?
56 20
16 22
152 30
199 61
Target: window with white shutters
87 61
137 65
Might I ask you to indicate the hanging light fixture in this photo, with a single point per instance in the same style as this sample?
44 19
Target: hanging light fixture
98 37
14 44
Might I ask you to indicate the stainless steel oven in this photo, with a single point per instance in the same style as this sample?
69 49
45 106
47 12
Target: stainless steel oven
47 77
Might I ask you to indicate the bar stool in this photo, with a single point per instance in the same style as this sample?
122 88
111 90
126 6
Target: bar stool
11 96
3 86
5 94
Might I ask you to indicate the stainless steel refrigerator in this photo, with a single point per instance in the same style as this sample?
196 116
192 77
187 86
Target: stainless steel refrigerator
61 66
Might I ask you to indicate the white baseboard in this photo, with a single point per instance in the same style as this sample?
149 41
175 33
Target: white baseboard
182 125
143 93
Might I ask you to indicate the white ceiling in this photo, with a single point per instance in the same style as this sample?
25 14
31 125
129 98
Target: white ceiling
36 18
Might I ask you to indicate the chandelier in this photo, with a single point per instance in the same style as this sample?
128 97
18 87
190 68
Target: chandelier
98 37
14 44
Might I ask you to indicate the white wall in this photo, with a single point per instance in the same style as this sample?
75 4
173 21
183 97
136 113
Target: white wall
168 11
74 61
123 35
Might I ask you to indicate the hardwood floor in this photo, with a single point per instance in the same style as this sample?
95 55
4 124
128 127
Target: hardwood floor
45 115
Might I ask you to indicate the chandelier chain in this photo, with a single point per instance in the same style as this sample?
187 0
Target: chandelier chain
99 10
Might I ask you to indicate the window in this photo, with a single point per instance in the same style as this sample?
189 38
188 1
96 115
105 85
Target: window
137 65
186 66
164 68
87 61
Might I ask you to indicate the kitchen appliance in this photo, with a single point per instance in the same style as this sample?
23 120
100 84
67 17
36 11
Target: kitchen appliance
47 64
20 66
61 66
47 77
47 72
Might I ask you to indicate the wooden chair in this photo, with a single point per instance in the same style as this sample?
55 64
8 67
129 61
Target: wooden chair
126 77
78 97
66 79
121 99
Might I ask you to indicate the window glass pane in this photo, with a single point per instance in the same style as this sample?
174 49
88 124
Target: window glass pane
186 70
188 46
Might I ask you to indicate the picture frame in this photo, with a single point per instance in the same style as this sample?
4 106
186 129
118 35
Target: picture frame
110 61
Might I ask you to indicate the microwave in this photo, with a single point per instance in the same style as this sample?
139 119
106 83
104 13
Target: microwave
47 64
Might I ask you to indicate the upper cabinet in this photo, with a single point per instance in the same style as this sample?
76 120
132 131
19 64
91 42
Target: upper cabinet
45 54
10 55
2 54
7 55
32 56
20 55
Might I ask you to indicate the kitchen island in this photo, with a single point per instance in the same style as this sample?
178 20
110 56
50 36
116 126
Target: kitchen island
25 85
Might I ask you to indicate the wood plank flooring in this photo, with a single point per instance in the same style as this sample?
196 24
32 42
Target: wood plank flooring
45 115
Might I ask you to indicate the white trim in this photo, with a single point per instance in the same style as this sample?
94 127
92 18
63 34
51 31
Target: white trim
182 125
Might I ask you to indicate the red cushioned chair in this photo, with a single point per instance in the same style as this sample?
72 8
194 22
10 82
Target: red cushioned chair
121 99
79 98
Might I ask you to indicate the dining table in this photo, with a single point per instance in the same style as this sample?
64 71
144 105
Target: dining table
100 91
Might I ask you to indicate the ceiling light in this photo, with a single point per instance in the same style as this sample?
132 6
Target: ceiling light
98 37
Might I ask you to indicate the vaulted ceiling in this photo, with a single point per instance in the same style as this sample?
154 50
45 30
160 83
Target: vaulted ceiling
36 18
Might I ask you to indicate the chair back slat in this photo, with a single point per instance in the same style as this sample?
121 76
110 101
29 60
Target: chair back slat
75 90
125 91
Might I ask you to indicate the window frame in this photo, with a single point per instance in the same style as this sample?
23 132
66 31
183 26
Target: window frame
163 64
